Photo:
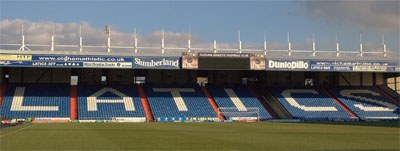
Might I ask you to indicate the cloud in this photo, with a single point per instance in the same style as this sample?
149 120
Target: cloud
40 32
376 16
68 34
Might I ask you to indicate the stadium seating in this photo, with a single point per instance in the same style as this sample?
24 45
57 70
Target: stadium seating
367 103
239 98
36 101
109 102
390 92
309 103
169 103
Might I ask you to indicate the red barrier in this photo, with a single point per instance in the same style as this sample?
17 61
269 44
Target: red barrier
397 102
145 103
74 103
2 93
344 107
212 102
263 103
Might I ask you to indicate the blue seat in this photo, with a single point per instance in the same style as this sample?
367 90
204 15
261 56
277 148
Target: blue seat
163 104
367 103
313 104
108 111
390 92
38 101
245 96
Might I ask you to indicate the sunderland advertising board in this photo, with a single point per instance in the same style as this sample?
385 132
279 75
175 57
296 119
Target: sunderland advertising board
355 66
288 65
156 62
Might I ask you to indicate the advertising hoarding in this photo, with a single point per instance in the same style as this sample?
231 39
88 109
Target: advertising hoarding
15 57
224 61
156 62
69 61
257 62
356 66
190 61
289 65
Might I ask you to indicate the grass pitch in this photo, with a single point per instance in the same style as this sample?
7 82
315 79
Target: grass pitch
202 136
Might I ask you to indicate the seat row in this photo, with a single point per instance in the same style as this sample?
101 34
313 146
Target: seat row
188 101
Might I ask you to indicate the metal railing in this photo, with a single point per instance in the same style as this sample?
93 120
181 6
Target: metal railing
135 48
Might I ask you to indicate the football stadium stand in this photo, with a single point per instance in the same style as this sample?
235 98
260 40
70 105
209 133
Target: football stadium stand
186 102
2 93
109 102
36 101
310 103
393 94
367 102
273 106
138 83
170 103
238 97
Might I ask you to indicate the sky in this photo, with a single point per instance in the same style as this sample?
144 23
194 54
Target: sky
206 21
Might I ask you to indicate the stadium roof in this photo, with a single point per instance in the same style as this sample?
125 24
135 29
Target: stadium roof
271 54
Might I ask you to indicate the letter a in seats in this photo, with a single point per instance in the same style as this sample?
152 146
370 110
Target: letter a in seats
92 100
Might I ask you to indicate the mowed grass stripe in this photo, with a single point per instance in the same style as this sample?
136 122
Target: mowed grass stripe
14 129
202 136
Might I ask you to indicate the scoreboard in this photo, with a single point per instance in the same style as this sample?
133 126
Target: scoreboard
227 61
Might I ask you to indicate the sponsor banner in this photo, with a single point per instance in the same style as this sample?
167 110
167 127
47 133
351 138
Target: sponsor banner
51 118
80 58
86 121
288 65
128 119
15 57
126 65
156 62
57 64
15 63
368 66
394 69
225 55
190 61
224 61
65 61
257 62
40 64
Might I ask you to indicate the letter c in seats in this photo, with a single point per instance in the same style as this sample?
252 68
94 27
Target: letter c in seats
287 95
